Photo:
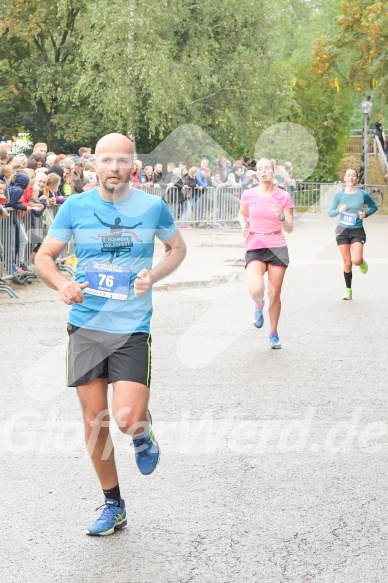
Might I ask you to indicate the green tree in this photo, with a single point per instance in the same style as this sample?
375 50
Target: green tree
323 105
39 61
360 45
160 65
72 70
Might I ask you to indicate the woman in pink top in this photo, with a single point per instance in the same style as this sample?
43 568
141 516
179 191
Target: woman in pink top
265 212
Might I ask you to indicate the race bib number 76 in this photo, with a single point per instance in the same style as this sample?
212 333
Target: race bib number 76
108 280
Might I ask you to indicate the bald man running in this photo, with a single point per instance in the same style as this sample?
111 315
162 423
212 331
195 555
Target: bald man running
111 307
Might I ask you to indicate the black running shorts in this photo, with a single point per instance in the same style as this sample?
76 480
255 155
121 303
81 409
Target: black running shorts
277 256
94 354
346 236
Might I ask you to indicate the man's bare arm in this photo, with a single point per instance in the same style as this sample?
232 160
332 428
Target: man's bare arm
69 291
175 252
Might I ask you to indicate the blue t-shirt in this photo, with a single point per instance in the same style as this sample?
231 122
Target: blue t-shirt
355 202
119 236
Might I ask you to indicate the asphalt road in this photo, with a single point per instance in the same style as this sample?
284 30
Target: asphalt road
274 463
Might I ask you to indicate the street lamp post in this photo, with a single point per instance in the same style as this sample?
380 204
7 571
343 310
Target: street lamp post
366 108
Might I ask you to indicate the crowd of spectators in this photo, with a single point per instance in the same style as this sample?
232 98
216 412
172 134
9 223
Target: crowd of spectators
189 190
34 184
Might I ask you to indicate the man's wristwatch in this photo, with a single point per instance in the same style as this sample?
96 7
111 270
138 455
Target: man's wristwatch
282 218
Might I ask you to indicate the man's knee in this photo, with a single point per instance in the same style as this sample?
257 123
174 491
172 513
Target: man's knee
131 421
95 419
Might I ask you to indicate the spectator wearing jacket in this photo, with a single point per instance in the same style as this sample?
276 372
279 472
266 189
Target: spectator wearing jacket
223 168
51 156
175 195
50 192
40 182
190 191
6 171
250 179
216 180
158 175
4 158
31 199
36 160
4 177
245 164
379 130
68 173
135 176
235 177
146 177
16 190
169 173
205 203
28 194
58 169
183 168
19 163
78 174
3 211
202 177
3 193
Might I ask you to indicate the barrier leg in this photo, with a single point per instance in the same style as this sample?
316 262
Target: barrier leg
67 268
29 276
7 289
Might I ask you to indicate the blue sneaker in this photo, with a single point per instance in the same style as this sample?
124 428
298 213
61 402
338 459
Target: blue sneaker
147 452
274 341
258 318
113 516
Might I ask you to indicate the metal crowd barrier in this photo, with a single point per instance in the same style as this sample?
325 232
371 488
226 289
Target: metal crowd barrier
308 194
208 207
23 232
212 207
313 194
219 206
6 245
355 144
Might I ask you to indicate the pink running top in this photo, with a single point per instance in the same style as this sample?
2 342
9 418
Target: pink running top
262 219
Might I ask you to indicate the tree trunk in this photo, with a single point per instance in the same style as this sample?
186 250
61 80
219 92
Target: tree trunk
45 127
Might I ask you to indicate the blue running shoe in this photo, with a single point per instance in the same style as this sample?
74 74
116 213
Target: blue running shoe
113 516
274 341
147 452
258 318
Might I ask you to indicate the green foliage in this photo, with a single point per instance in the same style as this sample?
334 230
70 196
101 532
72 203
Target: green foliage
40 56
360 44
175 63
326 113
324 105
73 70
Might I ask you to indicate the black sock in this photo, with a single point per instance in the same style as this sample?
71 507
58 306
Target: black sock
113 494
348 279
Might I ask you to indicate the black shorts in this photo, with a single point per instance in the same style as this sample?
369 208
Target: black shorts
277 256
93 354
346 236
